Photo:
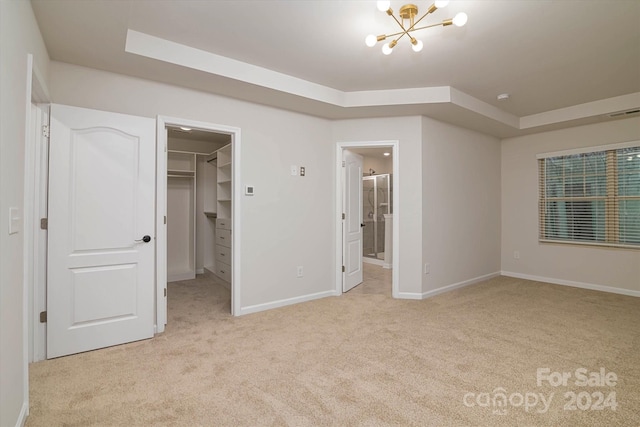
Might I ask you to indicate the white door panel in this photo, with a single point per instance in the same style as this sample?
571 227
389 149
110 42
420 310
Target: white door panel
352 230
101 286
92 196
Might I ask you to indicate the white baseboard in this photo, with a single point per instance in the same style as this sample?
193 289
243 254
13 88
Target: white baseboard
448 288
409 295
199 270
24 412
284 302
189 275
459 285
590 286
374 261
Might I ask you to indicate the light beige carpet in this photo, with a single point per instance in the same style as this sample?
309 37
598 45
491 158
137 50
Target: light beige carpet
360 359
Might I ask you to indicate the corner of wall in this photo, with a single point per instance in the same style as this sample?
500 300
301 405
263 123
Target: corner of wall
20 36
461 206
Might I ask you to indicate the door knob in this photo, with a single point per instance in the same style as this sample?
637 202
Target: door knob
145 239
363 224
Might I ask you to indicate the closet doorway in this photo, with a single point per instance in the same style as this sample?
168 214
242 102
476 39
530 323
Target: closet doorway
196 168
192 201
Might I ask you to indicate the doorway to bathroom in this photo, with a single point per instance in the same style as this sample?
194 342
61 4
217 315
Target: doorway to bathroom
378 217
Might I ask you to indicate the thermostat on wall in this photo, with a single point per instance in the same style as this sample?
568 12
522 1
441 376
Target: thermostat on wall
248 190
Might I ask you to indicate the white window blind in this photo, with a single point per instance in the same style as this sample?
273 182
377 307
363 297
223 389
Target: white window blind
591 197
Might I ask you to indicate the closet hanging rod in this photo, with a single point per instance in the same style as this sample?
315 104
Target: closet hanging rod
212 159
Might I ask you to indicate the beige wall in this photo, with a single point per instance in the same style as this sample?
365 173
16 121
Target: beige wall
616 268
289 220
19 36
460 205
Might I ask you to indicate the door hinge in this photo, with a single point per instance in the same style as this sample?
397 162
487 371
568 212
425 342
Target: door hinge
43 317
45 131
44 223
344 216
165 219
165 292
344 164
343 268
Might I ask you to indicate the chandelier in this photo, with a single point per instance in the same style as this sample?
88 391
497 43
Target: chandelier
408 13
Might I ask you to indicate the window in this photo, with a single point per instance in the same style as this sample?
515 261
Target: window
591 197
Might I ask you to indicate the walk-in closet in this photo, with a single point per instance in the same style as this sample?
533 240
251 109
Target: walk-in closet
198 204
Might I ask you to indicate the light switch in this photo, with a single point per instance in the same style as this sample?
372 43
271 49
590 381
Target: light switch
249 190
15 221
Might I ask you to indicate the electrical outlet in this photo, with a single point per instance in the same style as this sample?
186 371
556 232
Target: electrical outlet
300 271
427 268
516 254
303 171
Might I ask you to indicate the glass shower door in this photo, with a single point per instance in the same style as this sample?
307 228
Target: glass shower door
376 203
369 214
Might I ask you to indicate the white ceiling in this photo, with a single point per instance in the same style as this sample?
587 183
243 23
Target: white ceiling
375 152
563 62
216 138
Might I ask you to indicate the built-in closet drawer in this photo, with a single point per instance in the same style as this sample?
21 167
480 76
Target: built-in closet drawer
223 223
223 237
223 254
223 271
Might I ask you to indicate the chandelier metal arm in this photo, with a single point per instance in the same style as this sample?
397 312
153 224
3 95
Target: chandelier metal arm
443 23
413 29
432 9
402 33
386 36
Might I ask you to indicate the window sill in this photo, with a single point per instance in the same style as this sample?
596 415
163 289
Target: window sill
590 244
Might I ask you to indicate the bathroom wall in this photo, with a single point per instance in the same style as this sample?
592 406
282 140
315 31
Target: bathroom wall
377 164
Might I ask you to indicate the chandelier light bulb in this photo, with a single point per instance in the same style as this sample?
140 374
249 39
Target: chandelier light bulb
441 3
460 19
386 49
417 46
383 5
371 40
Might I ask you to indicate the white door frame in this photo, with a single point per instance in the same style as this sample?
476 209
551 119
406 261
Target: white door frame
36 195
395 147
161 211
35 207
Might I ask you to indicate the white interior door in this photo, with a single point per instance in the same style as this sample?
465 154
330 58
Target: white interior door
352 224
101 229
